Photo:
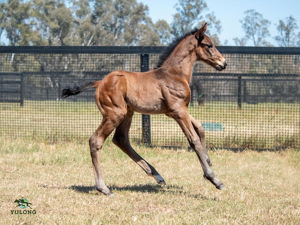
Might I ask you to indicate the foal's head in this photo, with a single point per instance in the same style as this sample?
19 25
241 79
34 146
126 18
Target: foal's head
207 52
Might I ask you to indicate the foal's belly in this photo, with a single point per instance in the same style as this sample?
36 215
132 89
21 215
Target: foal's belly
150 103
144 94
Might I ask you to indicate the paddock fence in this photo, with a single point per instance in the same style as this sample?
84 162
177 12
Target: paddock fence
254 103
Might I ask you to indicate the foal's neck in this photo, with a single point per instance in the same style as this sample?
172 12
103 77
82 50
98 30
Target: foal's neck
183 58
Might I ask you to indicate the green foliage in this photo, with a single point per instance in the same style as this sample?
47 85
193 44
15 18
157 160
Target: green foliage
189 13
52 21
126 23
163 29
97 22
14 16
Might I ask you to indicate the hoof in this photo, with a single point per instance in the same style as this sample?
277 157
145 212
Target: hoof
106 192
162 182
159 179
110 194
221 187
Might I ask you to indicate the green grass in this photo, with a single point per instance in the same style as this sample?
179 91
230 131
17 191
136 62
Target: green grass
262 126
262 187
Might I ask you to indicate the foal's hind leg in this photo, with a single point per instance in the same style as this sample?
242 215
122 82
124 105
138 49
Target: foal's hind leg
201 133
96 142
121 139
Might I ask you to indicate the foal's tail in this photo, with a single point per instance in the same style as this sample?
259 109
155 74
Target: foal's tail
77 89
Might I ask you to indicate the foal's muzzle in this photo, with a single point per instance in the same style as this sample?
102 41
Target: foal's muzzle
221 66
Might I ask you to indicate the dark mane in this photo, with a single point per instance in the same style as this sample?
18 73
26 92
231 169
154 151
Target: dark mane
171 47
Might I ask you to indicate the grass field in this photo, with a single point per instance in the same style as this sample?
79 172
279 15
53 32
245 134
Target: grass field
260 126
262 187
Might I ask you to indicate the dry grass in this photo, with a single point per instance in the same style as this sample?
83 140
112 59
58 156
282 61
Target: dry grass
262 187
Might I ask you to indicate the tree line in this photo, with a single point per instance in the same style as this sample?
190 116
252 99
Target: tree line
124 22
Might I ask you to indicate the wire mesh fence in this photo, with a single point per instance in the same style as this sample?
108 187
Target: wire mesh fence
254 103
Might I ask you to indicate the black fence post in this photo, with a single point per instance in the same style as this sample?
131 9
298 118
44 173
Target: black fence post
1 88
146 127
240 91
245 91
59 88
22 89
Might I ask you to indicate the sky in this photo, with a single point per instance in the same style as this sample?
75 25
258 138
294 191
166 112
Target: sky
230 12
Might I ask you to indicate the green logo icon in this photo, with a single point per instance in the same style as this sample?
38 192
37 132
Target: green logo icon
22 203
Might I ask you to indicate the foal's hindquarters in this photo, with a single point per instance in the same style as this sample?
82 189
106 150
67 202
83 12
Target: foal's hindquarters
118 95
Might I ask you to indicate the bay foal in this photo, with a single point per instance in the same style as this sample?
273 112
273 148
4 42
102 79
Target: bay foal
164 90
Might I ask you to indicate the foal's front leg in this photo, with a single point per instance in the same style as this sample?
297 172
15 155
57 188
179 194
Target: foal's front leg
184 120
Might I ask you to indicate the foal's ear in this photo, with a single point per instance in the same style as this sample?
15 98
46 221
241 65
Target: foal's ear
200 33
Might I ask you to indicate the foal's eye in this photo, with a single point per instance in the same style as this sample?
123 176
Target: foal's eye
209 45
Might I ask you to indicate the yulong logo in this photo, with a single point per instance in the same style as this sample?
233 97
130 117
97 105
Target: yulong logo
23 204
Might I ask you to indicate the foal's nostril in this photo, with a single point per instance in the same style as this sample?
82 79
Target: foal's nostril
225 64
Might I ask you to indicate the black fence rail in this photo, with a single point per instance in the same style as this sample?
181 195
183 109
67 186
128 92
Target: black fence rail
11 87
254 103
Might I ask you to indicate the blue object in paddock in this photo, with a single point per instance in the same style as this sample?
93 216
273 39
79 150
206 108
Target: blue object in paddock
212 126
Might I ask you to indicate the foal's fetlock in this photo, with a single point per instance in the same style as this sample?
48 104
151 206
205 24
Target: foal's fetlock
208 162
218 184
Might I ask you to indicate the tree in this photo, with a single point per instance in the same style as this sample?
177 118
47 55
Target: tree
83 31
135 23
61 23
162 28
147 36
118 22
13 19
189 14
214 27
52 20
40 19
240 41
2 19
287 36
255 27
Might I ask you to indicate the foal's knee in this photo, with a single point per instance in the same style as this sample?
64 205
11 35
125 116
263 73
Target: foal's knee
95 143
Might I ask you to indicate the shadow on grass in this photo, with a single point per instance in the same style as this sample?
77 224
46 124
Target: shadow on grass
82 189
142 188
149 188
